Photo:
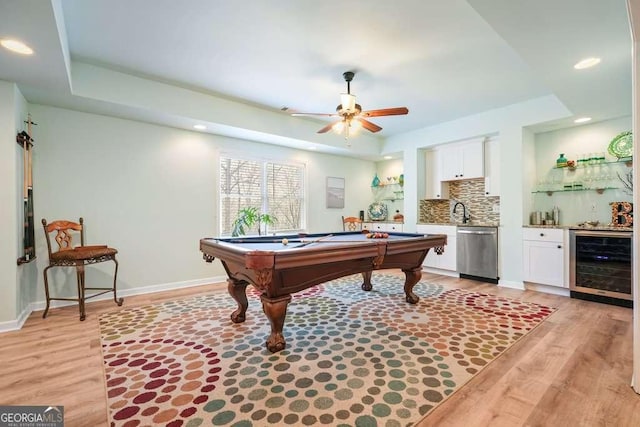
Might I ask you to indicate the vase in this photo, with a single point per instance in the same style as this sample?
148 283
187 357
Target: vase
401 180
376 181
562 161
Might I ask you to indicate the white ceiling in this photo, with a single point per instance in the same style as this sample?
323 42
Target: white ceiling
441 59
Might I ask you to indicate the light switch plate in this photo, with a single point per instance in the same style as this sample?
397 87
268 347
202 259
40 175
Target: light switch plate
496 208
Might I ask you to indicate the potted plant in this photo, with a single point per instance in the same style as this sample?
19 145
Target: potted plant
246 219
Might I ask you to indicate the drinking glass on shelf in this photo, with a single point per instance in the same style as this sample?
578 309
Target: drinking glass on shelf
583 160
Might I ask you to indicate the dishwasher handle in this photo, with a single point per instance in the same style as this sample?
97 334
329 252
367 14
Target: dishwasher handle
476 232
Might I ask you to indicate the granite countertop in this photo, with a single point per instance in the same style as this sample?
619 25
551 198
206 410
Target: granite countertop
604 227
469 224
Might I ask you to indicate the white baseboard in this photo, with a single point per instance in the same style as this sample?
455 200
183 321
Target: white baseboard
13 325
548 289
439 271
511 284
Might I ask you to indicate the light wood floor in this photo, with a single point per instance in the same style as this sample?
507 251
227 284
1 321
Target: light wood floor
573 370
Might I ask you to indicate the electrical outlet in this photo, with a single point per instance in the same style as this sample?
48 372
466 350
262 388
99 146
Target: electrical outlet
496 208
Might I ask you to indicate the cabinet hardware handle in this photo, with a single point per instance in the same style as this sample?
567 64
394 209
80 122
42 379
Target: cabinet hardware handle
541 234
486 192
559 246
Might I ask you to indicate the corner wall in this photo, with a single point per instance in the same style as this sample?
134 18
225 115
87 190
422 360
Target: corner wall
9 225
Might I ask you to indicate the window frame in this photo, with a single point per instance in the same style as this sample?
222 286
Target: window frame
264 163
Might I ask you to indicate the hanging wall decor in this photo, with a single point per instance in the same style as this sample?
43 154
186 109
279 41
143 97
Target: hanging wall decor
335 192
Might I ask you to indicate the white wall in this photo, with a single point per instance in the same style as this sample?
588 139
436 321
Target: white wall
151 192
9 223
576 206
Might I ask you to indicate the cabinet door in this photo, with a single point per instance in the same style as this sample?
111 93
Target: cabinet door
492 168
450 162
462 161
544 262
395 227
378 226
435 188
472 160
446 261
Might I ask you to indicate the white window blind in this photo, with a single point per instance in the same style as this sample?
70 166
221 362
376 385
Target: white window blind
274 188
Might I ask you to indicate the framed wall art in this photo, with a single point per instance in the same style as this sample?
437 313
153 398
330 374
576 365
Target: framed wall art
335 192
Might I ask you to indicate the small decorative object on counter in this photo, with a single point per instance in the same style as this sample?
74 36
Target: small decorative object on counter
555 215
401 180
622 214
562 161
377 211
398 217
376 181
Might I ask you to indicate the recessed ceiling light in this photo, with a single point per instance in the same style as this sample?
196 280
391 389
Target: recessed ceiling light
586 63
16 46
388 157
199 127
582 120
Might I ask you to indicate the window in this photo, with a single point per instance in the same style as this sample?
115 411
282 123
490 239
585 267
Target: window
274 188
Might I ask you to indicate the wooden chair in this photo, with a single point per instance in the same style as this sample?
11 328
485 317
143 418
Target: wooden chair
67 255
351 223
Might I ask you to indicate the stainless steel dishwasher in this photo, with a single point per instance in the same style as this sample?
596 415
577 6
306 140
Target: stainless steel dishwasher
477 253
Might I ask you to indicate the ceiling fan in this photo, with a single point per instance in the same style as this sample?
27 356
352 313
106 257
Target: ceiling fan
351 115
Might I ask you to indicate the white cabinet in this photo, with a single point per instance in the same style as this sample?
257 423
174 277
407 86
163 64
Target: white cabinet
544 256
383 226
462 161
435 188
492 167
446 261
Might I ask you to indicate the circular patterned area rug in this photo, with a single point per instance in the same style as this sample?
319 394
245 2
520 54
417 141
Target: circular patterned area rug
353 358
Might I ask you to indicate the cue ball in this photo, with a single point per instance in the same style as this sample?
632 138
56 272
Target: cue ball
285 242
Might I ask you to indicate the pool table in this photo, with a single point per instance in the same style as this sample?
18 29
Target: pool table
281 265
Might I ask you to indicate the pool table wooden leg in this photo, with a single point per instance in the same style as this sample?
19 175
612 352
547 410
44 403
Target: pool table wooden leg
366 280
411 278
276 311
238 291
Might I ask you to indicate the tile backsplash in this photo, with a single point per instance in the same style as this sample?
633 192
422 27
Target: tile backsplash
471 192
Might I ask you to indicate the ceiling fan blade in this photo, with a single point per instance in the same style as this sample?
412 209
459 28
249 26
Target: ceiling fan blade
397 111
368 125
328 127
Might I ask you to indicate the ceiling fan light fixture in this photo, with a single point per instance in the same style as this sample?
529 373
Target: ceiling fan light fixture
338 127
348 102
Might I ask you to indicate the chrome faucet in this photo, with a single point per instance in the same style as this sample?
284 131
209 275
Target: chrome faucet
465 217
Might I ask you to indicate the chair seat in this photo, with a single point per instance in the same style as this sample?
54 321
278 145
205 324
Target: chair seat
82 253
